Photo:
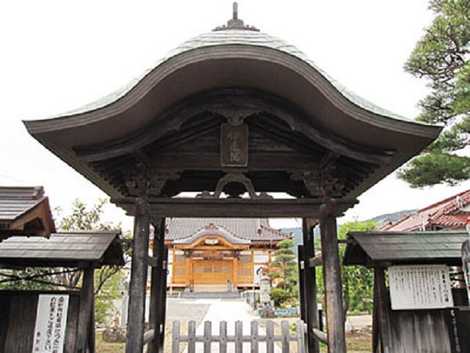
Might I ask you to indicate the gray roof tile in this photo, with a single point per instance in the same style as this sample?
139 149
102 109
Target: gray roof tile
71 247
253 229
234 37
405 247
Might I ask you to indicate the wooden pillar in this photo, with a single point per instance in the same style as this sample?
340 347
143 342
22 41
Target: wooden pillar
156 289
85 314
300 256
189 270
383 326
234 272
163 280
92 328
173 263
139 270
333 288
310 286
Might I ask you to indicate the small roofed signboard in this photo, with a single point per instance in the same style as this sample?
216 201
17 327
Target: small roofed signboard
51 319
420 287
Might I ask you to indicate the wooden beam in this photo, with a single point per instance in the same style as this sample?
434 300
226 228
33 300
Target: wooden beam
258 161
310 285
86 307
137 288
242 208
335 318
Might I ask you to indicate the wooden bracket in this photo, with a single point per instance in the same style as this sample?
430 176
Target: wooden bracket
328 208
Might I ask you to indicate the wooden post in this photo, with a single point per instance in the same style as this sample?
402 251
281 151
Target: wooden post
333 288
375 330
85 313
137 288
163 281
155 286
300 256
310 287
383 325
92 334
158 288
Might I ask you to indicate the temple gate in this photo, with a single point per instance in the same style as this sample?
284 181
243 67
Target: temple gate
237 117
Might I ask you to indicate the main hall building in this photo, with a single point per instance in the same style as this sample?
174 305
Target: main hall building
219 254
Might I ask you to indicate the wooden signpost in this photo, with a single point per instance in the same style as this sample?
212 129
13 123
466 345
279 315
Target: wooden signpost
51 320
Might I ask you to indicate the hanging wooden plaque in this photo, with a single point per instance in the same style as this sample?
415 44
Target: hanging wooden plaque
234 145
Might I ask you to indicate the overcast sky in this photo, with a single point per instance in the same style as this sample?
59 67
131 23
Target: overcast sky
58 55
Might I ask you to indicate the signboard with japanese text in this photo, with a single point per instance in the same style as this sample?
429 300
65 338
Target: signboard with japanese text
51 320
420 287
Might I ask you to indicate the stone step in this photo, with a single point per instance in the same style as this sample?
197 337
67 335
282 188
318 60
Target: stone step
218 288
210 295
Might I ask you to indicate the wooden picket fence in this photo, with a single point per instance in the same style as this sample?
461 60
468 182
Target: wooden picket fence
255 338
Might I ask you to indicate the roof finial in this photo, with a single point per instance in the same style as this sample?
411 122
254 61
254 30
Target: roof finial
235 22
235 11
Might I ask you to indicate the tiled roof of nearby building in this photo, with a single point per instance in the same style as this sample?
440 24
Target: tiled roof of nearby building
25 209
212 229
367 248
63 249
450 213
253 229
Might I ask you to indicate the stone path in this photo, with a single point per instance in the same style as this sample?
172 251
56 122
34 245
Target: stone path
229 310
186 309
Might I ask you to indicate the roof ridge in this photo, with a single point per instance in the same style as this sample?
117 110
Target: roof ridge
448 199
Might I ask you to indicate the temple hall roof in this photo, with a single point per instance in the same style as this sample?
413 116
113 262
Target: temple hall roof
252 229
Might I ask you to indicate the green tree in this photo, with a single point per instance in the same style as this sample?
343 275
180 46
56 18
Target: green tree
441 57
357 280
108 279
283 274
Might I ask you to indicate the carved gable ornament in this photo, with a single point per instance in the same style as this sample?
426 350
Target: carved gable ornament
211 241
234 145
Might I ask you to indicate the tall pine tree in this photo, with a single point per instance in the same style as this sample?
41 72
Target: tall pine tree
442 57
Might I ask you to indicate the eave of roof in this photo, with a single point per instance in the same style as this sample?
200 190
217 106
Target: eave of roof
67 249
387 248
205 47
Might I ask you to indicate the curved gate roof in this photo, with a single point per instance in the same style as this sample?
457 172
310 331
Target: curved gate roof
234 56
